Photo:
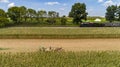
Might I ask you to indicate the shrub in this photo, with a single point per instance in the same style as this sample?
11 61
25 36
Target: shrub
63 20
3 22
51 21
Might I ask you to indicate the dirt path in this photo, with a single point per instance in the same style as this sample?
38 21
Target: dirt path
20 45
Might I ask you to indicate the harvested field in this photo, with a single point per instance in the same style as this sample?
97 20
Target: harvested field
59 32
30 45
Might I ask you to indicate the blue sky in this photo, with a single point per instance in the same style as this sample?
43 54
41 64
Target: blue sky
94 7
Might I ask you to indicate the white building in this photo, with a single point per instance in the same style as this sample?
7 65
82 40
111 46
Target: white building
97 20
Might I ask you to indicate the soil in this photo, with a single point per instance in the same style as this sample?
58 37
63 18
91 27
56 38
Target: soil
29 45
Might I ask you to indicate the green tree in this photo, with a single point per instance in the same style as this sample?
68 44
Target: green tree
3 18
42 14
118 13
53 14
57 14
23 12
32 14
111 13
14 14
63 20
3 13
4 21
52 17
78 12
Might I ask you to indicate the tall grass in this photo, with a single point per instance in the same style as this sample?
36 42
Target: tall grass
61 59
60 32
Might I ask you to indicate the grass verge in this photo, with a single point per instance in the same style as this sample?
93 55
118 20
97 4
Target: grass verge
61 59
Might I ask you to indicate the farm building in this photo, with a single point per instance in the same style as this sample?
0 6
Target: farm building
97 20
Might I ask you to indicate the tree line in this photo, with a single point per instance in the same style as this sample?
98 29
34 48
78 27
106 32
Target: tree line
19 15
113 13
22 15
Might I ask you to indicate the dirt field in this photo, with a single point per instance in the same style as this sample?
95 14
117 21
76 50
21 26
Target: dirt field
21 45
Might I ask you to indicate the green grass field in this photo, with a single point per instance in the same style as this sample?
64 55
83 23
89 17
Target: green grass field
60 32
61 59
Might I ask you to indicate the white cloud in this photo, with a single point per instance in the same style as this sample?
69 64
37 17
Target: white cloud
118 4
108 3
11 5
100 1
52 3
62 9
4 1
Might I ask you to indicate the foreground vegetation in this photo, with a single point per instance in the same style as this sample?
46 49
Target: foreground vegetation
60 32
61 59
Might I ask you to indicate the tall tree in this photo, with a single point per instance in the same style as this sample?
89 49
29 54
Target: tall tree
63 20
23 11
3 18
41 14
14 14
57 14
78 12
111 13
31 13
3 13
53 14
118 13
